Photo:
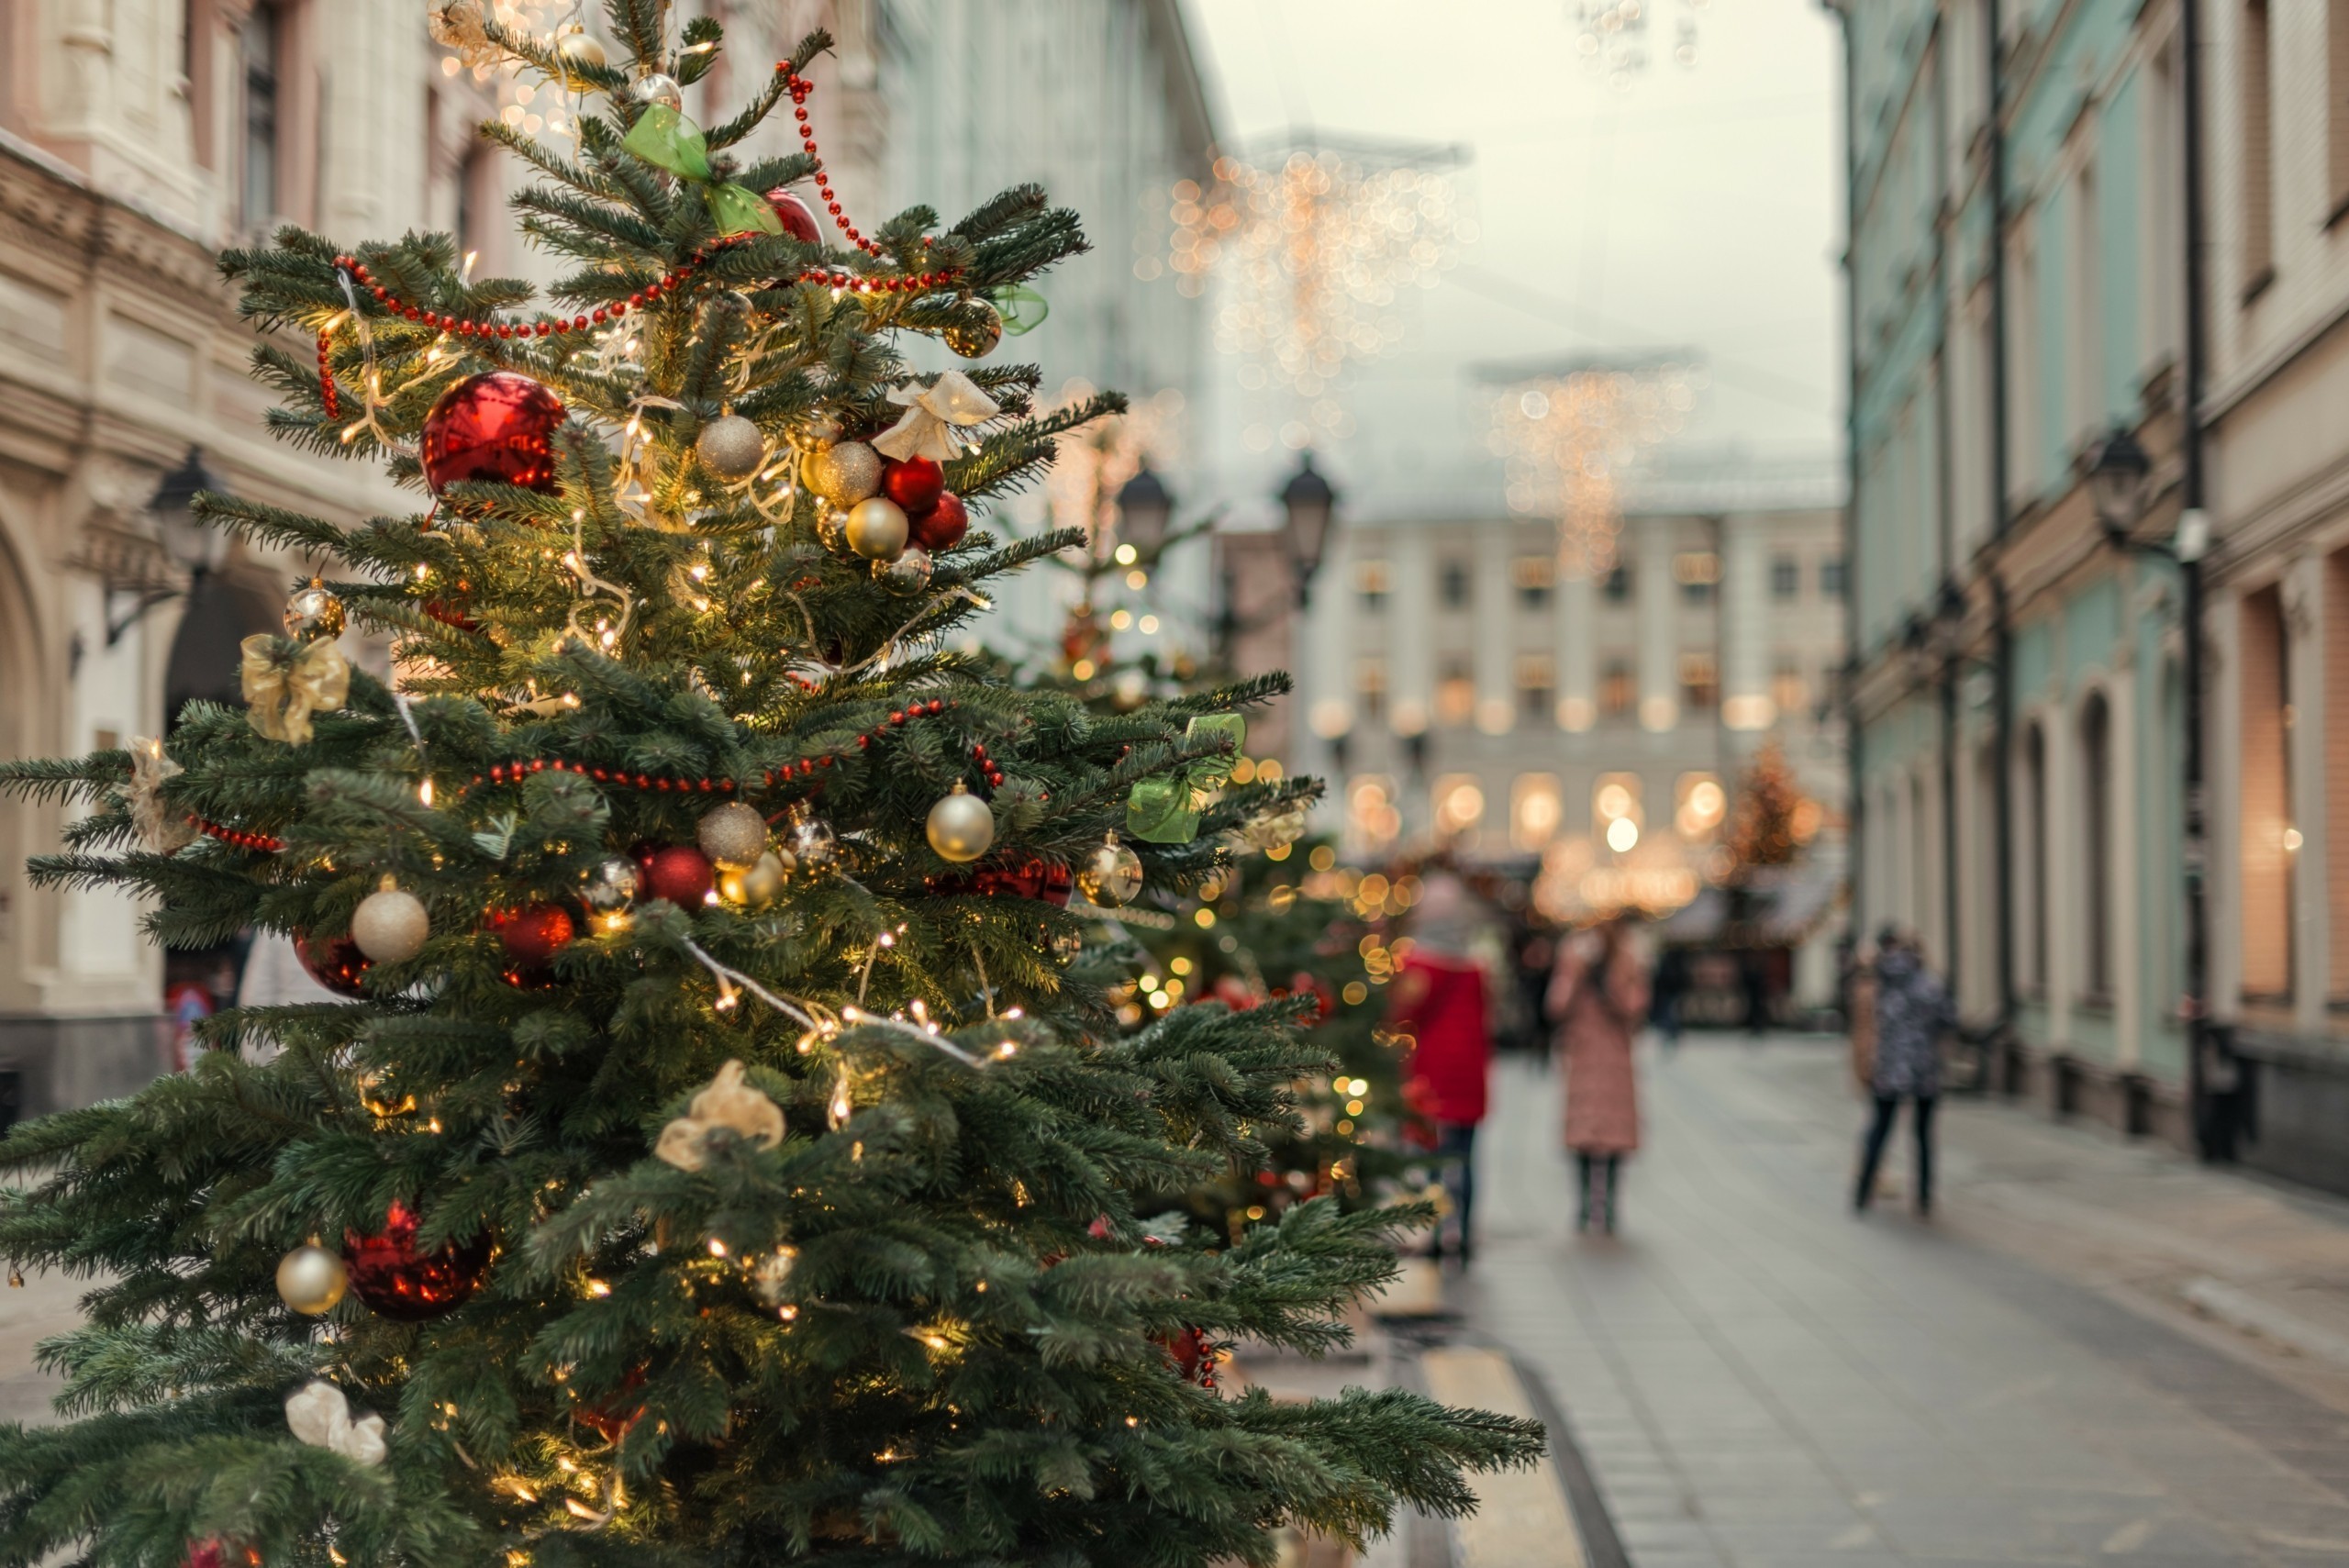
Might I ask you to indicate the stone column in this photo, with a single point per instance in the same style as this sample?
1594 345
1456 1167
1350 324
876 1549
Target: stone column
1574 603
1744 625
2304 741
1411 609
1496 603
1652 589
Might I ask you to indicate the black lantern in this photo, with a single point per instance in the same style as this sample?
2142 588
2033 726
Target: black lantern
1143 508
1312 507
193 548
2117 482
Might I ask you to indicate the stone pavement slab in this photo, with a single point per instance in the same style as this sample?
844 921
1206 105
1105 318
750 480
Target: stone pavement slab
1757 1377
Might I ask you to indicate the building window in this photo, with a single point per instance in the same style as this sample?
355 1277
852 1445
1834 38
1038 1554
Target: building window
1699 680
2095 847
1371 582
1831 577
1459 805
1786 578
2268 836
1536 688
1789 693
2258 140
1453 579
1455 691
1615 811
1619 584
1618 688
1699 572
261 46
1531 576
2034 854
1536 809
1699 804
1370 687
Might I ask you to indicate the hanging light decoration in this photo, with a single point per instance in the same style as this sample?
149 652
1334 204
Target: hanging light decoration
1612 36
1571 436
1316 246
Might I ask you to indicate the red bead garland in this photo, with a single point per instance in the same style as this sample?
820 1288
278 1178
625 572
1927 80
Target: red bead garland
326 377
261 842
800 87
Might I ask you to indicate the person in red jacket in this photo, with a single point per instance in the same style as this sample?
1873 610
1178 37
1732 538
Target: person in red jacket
1438 1000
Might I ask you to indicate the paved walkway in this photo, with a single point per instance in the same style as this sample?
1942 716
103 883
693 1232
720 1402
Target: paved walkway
2054 1370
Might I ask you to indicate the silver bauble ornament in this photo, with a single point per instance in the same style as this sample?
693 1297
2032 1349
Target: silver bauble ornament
772 1278
311 1280
975 336
732 447
657 88
878 528
962 826
576 52
733 835
909 573
831 527
1110 875
812 845
313 613
842 472
390 924
1065 947
608 892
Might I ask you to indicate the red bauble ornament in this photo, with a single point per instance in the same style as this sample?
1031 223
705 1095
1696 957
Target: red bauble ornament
610 1418
1233 993
214 1552
1192 1354
1033 877
797 217
534 933
678 873
944 525
334 962
916 484
391 1275
495 425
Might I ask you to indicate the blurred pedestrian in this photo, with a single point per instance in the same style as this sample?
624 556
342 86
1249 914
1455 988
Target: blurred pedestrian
1670 991
1598 994
1438 998
1912 1011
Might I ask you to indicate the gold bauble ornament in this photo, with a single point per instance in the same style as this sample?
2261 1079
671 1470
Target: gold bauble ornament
961 826
733 835
763 882
878 528
732 447
313 613
311 1280
976 333
390 924
1110 875
842 472
577 50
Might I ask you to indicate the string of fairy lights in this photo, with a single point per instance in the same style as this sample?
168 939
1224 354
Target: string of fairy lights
1570 438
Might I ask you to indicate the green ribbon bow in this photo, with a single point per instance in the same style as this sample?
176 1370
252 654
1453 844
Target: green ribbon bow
667 139
1166 810
1022 309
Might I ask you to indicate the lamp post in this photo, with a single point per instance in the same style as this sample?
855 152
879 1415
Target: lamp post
1311 505
1144 506
187 544
2117 482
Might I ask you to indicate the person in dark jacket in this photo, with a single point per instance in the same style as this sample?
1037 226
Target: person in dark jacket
1912 1012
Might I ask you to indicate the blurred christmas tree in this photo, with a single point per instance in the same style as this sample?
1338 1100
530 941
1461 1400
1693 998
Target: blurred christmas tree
724 1154
1763 829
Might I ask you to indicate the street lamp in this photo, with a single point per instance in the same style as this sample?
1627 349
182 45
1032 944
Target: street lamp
187 543
1312 507
2117 480
1144 506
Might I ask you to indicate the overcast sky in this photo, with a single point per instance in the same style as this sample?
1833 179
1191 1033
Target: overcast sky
1699 208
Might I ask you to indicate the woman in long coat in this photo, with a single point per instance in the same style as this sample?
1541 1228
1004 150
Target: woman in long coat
1599 993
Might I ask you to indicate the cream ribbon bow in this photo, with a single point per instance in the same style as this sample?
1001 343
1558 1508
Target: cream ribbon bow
728 1103
933 418
283 689
161 830
320 1416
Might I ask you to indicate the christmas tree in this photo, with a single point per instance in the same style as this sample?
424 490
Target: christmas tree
1763 830
725 1152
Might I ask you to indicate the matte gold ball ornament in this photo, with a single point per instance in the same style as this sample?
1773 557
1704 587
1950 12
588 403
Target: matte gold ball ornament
975 336
311 1280
842 472
391 923
732 447
876 528
578 51
733 835
1111 875
962 826
314 613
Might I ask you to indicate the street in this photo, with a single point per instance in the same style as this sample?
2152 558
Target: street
2094 1353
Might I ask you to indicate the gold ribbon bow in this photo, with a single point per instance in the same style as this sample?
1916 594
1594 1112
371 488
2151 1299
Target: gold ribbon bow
728 1103
286 681
161 830
933 418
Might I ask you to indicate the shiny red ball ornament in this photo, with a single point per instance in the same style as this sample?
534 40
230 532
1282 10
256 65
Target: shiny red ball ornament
495 425
1193 1354
389 1274
678 873
610 1418
334 962
916 484
942 525
797 217
214 1552
532 935
1033 877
